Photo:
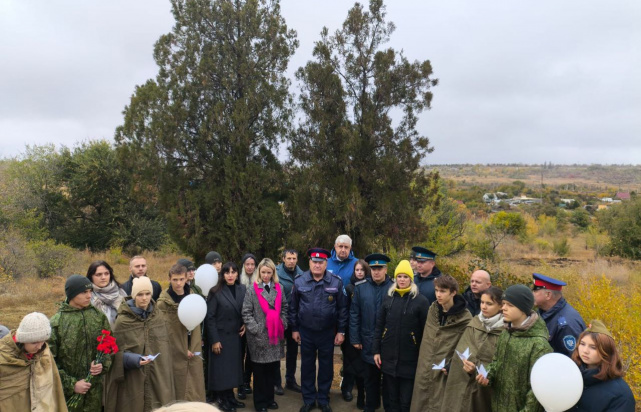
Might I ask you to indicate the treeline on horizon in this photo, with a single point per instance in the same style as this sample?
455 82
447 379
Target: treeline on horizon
193 164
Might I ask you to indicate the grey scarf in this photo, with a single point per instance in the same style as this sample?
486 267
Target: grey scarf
495 322
108 299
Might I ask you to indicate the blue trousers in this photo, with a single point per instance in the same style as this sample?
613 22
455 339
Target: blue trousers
316 344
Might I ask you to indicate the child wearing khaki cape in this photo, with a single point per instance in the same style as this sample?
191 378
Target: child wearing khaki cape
29 378
462 393
447 318
189 378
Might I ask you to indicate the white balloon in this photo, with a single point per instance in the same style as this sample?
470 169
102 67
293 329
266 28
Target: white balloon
556 382
206 278
192 310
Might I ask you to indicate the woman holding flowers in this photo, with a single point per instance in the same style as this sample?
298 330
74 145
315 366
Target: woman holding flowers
137 383
75 331
265 316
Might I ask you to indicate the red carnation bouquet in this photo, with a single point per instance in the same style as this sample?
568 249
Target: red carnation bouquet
106 346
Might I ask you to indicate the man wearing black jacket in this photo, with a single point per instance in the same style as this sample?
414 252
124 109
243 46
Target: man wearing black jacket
138 268
479 282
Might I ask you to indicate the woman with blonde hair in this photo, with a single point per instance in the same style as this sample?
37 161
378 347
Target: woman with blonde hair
265 316
398 335
598 359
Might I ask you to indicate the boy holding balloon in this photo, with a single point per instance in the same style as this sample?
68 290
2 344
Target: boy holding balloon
520 345
185 343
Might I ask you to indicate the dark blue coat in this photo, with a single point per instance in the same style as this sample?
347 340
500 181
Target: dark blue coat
612 396
426 285
342 268
366 302
286 279
565 325
318 305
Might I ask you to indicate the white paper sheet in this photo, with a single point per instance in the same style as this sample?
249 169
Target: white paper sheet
482 371
151 357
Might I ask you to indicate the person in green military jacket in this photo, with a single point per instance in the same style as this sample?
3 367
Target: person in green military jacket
523 342
75 329
447 318
462 393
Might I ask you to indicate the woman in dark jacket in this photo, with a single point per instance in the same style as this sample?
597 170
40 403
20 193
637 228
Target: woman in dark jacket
225 329
398 335
603 386
353 366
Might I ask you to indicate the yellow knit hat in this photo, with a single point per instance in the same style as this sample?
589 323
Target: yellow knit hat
405 268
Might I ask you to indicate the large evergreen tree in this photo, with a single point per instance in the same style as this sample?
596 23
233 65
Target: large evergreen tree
355 157
203 131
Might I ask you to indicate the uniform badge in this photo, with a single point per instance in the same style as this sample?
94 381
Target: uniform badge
569 342
330 298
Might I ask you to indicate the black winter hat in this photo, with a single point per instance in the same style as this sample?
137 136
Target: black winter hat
213 257
75 285
520 296
188 264
247 256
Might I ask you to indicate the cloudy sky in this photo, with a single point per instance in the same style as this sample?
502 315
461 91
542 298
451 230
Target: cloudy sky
525 82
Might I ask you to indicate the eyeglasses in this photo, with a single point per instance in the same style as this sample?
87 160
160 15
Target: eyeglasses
537 287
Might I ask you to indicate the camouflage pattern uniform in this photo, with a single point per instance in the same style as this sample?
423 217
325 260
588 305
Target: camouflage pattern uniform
73 343
509 373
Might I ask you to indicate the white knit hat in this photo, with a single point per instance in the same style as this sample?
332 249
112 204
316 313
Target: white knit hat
140 284
34 327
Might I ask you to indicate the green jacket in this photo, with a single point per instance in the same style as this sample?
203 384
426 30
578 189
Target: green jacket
73 343
509 373
462 393
440 336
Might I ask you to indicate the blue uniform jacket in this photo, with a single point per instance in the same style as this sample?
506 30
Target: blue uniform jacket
286 279
366 302
342 268
318 305
612 396
565 325
426 285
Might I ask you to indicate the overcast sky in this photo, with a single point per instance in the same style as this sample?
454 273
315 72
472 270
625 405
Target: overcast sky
525 82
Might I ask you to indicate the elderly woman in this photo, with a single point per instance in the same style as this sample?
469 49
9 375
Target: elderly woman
265 316
107 294
225 329
247 277
29 378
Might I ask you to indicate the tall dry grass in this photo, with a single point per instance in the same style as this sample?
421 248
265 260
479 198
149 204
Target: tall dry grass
29 294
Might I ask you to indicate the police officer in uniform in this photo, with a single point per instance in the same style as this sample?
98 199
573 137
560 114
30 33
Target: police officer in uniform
367 299
425 272
563 321
318 318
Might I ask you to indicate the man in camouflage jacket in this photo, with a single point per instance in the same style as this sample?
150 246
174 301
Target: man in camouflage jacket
73 343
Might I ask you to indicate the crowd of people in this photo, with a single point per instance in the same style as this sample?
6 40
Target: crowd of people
410 341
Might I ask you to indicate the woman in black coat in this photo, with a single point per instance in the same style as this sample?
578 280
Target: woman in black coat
598 359
225 329
398 335
353 366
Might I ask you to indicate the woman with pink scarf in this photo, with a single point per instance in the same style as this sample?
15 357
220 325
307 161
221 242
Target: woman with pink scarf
265 316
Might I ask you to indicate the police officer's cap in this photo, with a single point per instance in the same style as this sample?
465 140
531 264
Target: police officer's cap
546 282
318 254
422 254
377 259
